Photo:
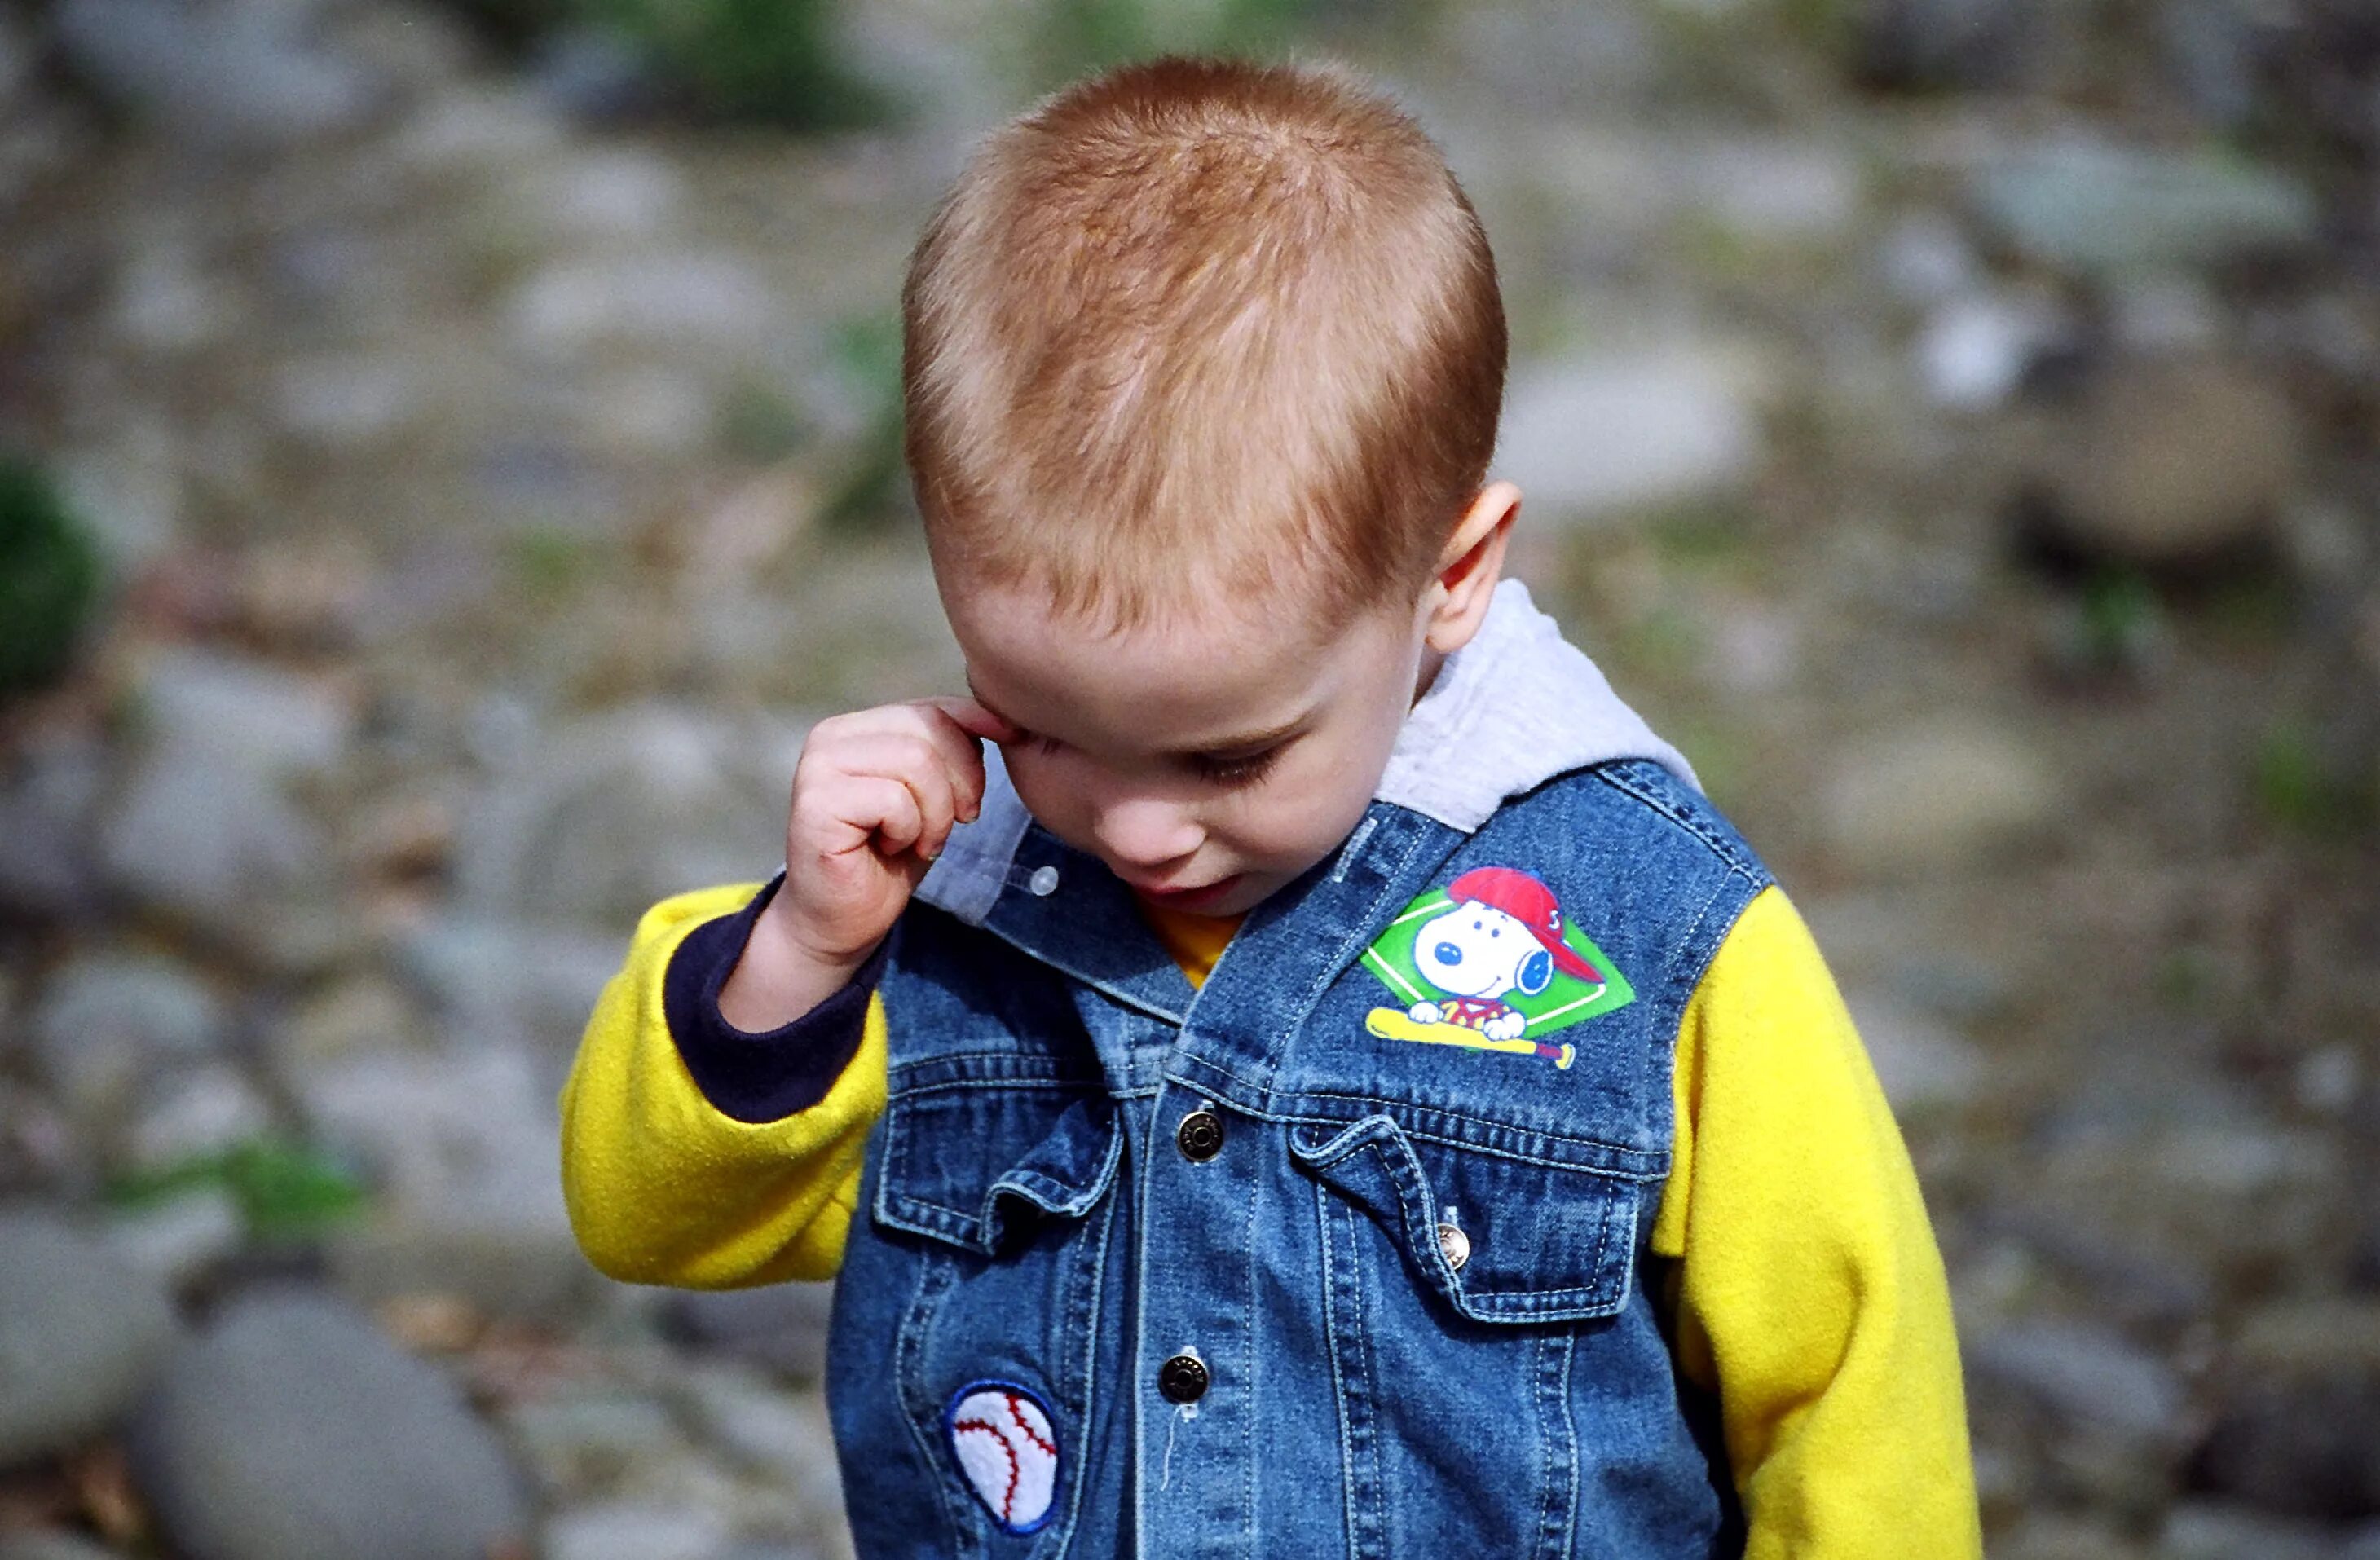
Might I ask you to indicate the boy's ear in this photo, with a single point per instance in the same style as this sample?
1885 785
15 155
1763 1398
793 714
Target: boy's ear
1470 566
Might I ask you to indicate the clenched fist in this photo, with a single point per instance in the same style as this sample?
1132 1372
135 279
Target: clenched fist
876 793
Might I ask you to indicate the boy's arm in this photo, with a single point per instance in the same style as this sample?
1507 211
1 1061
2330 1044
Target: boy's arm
1810 1295
697 1155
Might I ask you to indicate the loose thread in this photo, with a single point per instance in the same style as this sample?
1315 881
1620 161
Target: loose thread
1165 1473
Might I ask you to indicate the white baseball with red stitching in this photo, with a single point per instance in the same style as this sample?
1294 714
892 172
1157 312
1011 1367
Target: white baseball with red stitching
1004 1446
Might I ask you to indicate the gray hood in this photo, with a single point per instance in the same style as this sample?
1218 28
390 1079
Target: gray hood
1509 711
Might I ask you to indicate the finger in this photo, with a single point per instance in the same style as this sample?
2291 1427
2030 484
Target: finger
848 813
917 762
974 719
897 821
962 756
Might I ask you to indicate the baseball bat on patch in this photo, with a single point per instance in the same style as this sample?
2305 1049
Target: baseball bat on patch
1395 1024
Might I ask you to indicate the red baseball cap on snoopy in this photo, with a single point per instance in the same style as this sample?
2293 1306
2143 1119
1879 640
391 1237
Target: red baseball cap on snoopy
1528 902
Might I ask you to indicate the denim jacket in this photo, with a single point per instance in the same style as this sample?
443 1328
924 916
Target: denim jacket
1344 1252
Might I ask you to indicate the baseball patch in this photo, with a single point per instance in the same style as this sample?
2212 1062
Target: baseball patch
1000 1435
1490 963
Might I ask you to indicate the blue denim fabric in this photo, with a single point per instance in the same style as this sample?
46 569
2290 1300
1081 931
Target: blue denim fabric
1027 1216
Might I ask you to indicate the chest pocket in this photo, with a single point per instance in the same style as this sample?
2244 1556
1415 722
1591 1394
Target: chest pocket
1503 1234
979 1150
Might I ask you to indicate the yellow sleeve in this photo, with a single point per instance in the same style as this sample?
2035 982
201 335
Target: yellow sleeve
665 1188
1809 1295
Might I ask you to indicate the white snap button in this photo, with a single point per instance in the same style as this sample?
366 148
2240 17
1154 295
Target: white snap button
1044 881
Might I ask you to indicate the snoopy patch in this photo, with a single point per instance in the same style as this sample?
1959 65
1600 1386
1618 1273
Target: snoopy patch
1000 1435
1490 963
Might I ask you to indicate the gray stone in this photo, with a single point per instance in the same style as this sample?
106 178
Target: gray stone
498 981
2291 1431
53 1546
1951 792
268 720
1766 189
2098 207
207 837
584 1443
165 302
1975 349
192 1112
103 1022
1925 259
608 815
81 1333
351 401
1617 431
782 1326
230 73
629 1531
293 1430
462 1149
48 797
2084 1373
1924 1063
2169 460
180 1239
674 300
2198 1529
762 1425
128 490
39 1150
1926 44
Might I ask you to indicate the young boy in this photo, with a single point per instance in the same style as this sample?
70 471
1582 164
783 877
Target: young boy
1325 1081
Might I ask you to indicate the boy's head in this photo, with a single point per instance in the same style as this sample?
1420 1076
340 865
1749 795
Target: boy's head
1203 363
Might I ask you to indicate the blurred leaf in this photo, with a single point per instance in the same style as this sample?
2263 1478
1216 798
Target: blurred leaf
547 562
868 354
49 579
761 423
1079 37
286 1191
2302 785
2121 615
765 61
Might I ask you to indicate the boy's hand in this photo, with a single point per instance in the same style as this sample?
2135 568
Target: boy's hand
876 793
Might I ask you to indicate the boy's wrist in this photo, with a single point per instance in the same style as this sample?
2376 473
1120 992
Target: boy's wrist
781 975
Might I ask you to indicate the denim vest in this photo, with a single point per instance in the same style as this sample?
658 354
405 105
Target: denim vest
1344 1252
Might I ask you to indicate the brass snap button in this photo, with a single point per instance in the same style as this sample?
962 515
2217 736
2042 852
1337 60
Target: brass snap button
1200 1135
1183 1378
1452 1242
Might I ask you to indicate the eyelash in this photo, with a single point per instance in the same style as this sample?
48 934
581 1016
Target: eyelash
1245 770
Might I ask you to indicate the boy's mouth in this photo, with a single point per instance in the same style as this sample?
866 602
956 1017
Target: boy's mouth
1188 898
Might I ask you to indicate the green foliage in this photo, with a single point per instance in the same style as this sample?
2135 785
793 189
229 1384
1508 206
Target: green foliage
2306 785
761 423
546 561
286 1192
49 579
2121 618
763 61
872 485
1078 37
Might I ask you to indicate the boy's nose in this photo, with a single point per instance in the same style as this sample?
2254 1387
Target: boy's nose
1145 833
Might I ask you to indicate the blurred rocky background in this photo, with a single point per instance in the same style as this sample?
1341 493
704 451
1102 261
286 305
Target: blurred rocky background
449 452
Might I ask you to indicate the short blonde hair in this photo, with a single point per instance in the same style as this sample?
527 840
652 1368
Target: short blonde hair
1200 325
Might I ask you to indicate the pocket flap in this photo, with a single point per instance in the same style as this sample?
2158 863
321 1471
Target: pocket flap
1545 1241
964 1156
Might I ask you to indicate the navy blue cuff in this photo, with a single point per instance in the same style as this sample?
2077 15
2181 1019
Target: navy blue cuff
765 1077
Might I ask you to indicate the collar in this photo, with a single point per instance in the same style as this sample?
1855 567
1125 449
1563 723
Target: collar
1512 709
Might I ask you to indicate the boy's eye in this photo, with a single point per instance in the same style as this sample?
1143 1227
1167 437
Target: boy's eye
1239 769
